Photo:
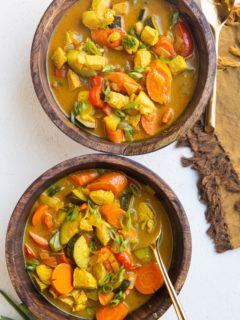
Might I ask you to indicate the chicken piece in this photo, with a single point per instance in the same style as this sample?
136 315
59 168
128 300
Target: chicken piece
142 58
102 232
44 273
146 217
177 65
117 100
121 8
101 197
144 103
59 57
73 80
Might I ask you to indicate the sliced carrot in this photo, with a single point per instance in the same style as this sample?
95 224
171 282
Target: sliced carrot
83 206
62 278
115 136
164 47
105 298
50 261
112 213
29 251
167 116
38 213
83 178
42 242
113 181
159 81
119 312
151 123
48 220
44 255
101 36
123 82
149 278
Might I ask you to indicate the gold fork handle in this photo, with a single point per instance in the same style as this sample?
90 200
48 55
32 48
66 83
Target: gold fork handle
173 295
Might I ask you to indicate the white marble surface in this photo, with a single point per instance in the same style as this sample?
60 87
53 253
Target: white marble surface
30 144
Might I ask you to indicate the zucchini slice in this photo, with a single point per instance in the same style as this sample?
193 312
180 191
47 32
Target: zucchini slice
117 23
81 253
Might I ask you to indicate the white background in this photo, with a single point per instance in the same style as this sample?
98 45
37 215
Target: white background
30 144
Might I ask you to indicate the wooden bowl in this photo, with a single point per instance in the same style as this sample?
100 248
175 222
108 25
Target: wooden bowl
21 281
205 46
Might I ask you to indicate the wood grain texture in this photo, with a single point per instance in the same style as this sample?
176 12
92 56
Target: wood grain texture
205 47
24 287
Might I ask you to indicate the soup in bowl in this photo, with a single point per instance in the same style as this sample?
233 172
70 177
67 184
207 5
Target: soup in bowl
126 77
81 247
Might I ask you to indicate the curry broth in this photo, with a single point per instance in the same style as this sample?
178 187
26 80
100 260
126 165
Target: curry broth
183 85
135 299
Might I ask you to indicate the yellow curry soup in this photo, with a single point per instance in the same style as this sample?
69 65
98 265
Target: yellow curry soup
87 244
123 70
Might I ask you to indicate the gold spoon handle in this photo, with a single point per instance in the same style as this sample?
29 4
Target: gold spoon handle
173 295
210 114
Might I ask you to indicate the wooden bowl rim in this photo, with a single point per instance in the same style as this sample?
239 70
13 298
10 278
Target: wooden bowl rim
14 252
178 129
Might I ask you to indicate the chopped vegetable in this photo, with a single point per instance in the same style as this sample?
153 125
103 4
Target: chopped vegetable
124 82
149 278
31 265
112 213
105 298
118 312
40 285
54 189
141 14
38 214
152 22
130 43
101 36
164 47
159 82
117 22
54 242
115 136
112 181
62 278
142 58
167 116
177 65
149 36
52 202
150 123
29 251
112 121
95 92
38 239
81 253
102 233
183 43
90 47
144 104
83 178
117 100
68 230
144 254
83 279
125 259
93 20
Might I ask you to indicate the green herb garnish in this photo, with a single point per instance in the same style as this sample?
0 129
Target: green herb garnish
90 47
54 189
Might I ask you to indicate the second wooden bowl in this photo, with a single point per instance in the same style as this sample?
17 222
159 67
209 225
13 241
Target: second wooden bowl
207 59
21 281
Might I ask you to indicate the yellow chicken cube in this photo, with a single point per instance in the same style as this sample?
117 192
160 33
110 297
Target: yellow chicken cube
149 36
142 58
59 58
178 65
73 80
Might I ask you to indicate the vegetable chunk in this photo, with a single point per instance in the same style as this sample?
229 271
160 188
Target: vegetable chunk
81 253
121 8
112 181
178 65
117 100
149 36
144 104
101 197
73 80
142 58
83 279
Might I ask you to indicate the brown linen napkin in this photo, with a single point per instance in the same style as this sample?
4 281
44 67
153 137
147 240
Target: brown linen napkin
216 157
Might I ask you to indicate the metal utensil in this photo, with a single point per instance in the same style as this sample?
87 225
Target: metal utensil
216 13
172 293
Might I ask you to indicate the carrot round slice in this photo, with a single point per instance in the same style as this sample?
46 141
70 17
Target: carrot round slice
115 136
158 81
62 278
164 47
149 278
112 213
118 312
112 181
83 178
38 213
150 123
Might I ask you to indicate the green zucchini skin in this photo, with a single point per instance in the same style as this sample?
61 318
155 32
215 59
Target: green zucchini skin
117 23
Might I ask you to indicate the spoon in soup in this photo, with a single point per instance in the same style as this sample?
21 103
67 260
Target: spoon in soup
216 12
172 293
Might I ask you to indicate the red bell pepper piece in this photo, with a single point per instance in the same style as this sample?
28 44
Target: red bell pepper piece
95 92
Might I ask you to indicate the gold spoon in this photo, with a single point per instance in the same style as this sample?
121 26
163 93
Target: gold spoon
216 13
172 293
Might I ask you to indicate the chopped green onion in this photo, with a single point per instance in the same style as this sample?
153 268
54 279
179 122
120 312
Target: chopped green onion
167 61
106 279
31 265
119 113
128 130
109 68
119 297
72 117
175 18
135 74
120 242
75 108
54 189
150 190
130 105
73 213
135 190
126 220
